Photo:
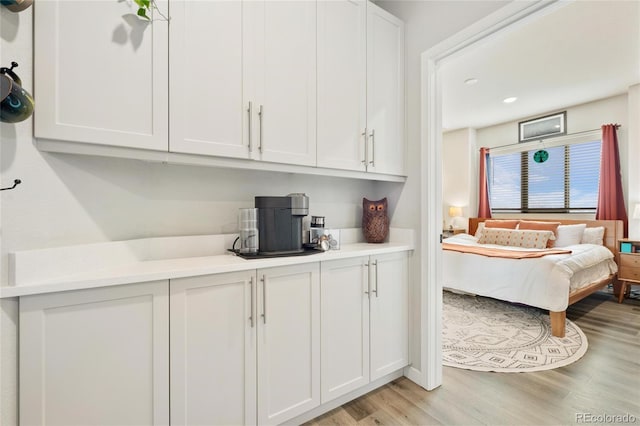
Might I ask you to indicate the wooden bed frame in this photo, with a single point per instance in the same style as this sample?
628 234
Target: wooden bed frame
613 231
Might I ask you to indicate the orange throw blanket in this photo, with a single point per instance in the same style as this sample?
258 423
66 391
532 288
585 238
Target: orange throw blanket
505 253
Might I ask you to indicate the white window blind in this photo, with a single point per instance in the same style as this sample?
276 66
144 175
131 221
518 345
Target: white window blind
567 182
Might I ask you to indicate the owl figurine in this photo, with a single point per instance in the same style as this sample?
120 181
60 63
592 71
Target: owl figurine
375 221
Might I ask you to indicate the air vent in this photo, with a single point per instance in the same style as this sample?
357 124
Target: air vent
543 127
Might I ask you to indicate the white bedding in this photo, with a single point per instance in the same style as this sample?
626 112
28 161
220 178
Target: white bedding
543 282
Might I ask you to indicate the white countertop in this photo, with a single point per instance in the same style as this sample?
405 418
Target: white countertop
135 261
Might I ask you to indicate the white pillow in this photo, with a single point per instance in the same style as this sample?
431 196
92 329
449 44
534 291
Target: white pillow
593 236
568 235
478 233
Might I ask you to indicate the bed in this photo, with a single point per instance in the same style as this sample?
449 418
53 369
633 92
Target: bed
546 281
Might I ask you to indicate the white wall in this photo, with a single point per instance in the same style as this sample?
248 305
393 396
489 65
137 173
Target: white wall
580 118
15 45
457 190
622 109
426 24
633 159
69 199
617 109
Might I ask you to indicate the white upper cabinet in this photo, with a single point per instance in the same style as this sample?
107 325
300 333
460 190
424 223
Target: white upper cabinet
100 74
207 87
285 86
289 83
243 80
342 84
385 92
360 88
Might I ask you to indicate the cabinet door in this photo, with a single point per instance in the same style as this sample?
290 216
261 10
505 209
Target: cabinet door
285 48
101 74
95 357
288 342
385 92
208 106
342 84
344 295
389 313
213 352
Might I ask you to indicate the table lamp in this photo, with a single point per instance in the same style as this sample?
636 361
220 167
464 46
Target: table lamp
454 212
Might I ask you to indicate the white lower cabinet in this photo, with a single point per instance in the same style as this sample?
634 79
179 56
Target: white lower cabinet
213 350
241 348
389 313
95 357
288 342
364 321
345 326
245 346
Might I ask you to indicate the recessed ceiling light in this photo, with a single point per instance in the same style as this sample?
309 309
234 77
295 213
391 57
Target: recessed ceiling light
470 81
509 100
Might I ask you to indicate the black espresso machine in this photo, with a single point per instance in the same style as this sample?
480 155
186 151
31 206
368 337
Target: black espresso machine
280 224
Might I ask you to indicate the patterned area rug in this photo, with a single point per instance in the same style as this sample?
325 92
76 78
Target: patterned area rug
484 334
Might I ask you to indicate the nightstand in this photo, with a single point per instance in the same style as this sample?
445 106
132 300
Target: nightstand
446 233
629 266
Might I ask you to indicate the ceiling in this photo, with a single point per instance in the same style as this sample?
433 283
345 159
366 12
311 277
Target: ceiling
580 52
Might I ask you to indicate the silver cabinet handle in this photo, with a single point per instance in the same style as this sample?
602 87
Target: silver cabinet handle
251 306
366 150
260 115
373 147
375 264
367 292
264 299
250 111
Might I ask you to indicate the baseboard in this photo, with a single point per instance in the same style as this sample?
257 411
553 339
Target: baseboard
415 376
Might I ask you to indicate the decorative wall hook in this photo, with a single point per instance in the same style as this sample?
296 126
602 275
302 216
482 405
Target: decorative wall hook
16 182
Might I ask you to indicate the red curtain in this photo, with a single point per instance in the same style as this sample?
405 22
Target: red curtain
484 209
610 197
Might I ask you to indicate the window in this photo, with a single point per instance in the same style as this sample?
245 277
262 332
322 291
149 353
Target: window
567 182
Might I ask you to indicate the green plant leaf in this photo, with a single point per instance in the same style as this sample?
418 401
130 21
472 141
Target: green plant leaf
146 3
140 3
142 12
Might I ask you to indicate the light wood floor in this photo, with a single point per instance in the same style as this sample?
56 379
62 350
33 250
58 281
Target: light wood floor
605 381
